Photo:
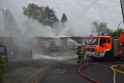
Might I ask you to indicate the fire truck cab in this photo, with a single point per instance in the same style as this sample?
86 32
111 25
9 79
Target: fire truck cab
104 46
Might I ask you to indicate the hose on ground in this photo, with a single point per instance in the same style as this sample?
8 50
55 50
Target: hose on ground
114 68
93 80
114 73
84 75
114 77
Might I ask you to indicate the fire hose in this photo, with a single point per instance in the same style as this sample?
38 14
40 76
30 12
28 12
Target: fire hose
95 81
114 68
85 76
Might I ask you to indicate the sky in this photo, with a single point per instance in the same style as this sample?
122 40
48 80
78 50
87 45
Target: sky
79 12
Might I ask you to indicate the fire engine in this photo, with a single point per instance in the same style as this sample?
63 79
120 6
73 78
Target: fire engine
104 46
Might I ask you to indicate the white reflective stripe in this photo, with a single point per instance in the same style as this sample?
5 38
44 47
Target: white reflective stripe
101 54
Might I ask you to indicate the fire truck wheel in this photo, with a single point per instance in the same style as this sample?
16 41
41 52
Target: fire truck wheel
78 62
108 56
88 59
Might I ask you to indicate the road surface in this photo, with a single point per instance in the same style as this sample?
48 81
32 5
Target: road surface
24 71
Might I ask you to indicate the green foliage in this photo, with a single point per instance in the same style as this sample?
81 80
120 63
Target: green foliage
115 33
44 15
101 27
64 18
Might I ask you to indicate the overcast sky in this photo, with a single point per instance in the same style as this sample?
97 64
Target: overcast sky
80 12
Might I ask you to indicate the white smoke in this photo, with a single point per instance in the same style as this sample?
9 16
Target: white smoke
1 4
34 28
1 15
23 30
73 29
29 29
23 33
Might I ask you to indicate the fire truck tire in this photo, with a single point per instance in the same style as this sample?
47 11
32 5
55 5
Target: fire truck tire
78 62
108 56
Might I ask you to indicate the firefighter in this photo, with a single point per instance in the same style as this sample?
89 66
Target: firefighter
81 53
2 68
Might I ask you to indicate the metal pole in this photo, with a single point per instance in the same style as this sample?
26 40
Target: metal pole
122 9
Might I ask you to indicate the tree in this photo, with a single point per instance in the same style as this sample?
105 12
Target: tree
44 15
115 33
64 18
100 27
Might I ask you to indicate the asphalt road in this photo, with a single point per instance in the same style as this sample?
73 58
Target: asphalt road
67 73
64 74
22 71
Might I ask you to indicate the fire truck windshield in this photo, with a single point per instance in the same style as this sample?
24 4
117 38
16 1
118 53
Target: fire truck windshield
92 41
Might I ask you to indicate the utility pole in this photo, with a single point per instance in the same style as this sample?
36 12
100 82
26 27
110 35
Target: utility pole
122 8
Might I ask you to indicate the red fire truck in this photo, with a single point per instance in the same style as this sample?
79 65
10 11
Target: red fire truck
104 46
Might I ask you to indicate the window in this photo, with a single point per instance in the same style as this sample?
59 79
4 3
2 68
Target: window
108 40
102 40
92 41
